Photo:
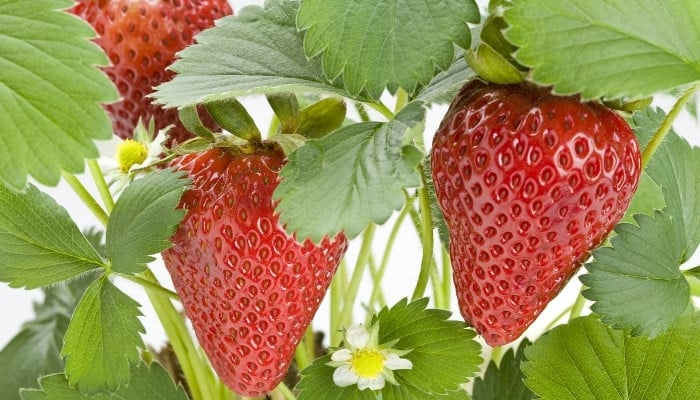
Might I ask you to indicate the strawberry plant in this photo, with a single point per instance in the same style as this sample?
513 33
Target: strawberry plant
248 181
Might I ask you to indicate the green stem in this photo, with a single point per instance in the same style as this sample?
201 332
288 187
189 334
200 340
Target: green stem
497 354
561 315
401 100
446 277
286 393
377 278
86 197
427 241
194 368
577 308
338 286
302 356
667 124
356 279
99 178
694 283
362 111
150 285
436 284
376 290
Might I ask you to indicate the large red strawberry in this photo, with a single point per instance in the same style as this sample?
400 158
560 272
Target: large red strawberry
529 183
249 288
141 38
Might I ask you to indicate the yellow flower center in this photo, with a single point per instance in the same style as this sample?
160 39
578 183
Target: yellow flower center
130 152
367 363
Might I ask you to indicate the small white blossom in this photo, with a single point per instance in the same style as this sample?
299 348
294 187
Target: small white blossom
363 362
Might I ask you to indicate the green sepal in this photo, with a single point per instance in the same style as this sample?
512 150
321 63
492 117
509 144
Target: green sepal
190 120
491 66
233 117
286 108
322 117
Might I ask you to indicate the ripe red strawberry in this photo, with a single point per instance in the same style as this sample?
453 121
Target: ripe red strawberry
141 38
529 183
249 288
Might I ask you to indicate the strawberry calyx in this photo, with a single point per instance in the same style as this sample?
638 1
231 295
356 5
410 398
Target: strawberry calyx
492 58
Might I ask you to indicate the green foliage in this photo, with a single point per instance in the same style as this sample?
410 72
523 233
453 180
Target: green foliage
102 339
636 283
434 341
610 49
143 220
50 90
39 242
352 176
257 51
505 380
445 84
34 351
150 382
396 54
585 360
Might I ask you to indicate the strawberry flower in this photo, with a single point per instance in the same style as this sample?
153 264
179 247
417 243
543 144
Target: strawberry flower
363 362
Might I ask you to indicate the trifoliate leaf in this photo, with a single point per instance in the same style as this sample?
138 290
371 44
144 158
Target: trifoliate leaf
352 176
143 220
50 90
39 242
397 53
603 48
636 283
585 360
505 380
257 51
147 382
445 85
102 339
444 355
34 351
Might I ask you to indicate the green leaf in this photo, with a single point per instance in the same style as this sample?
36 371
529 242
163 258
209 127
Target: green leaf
445 85
143 220
102 339
147 382
433 340
34 351
438 218
675 167
609 49
645 123
585 360
647 199
39 243
396 54
505 380
352 176
50 90
636 283
257 51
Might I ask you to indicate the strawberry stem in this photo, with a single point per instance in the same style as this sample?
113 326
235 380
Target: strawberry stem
383 109
446 276
86 197
284 392
578 306
194 368
147 284
376 290
667 124
337 289
426 239
99 178
356 279
377 282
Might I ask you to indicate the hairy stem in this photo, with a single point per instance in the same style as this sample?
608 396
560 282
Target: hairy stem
86 198
577 308
99 179
148 284
446 277
376 290
356 279
667 124
195 370
427 241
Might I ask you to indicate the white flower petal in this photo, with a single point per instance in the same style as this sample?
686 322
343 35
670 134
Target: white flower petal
344 376
393 362
342 355
375 383
357 336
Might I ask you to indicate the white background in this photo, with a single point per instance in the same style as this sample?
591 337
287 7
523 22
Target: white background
16 304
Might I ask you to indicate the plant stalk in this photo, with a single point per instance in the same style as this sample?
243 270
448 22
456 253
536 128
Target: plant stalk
356 279
427 241
86 197
102 187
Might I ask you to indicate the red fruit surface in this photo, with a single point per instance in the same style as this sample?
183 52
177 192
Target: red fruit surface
529 183
141 37
249 288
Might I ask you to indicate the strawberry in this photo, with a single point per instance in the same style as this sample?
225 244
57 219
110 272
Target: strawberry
529 183
141 38
249 288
